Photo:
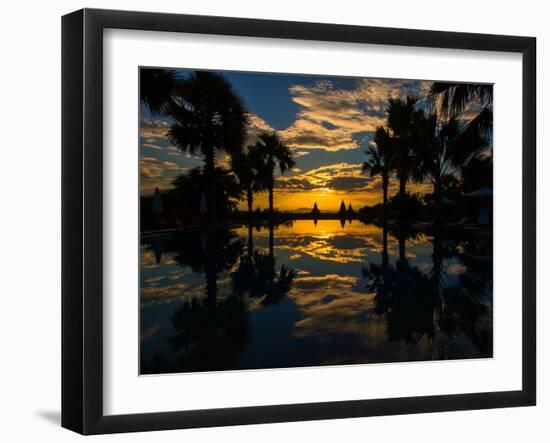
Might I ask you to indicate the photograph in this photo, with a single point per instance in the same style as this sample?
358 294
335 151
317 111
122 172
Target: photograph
291 220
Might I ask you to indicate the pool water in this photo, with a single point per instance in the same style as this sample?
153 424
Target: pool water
309 294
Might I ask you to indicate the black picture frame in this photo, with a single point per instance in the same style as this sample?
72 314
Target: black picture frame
82 218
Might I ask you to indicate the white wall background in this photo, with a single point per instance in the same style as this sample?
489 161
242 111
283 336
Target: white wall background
30 93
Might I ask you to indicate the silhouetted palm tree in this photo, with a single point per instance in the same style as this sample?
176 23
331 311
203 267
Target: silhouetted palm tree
437 143
156 89
444 148
274 153
208 116
381 161
402 116
246 166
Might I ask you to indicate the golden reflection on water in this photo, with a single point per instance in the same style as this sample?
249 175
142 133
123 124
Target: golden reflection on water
329 240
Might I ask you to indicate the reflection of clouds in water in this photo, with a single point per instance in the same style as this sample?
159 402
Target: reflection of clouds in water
329 306
328 249
153 330
154 281
332 313
328 241
335 312
165 294
456 268
149 261
301 272
185 291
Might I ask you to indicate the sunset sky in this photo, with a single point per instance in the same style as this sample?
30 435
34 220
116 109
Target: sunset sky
328 122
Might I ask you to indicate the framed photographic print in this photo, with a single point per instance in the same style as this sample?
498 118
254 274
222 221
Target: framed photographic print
269 221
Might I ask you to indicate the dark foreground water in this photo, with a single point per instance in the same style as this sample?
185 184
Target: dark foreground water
302 294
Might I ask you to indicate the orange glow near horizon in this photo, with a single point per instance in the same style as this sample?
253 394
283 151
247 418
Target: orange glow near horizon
328 200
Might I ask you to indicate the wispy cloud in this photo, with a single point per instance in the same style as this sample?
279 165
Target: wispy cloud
151 167
340 176
333 118
152 130
151 146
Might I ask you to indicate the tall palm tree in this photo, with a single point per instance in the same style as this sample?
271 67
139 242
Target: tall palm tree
208 116
246 166
435 152
156 88
381 161
274 153
402 115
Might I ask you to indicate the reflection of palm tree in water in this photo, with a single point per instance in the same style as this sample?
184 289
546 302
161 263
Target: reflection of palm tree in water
417 304
210 252
256 274
210 332
475 286
403 232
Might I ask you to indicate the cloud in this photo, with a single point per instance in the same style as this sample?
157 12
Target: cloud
151 167
256 125
346 183
151 146
330 307
147 186
152 130
373 94
338 177
304 134
333 118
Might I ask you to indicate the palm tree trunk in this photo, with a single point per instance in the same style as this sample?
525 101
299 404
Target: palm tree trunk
211 285
438 198
402 242
249 199
271 240
271 261
437 258
271 199
250 247
402 192
209 169
385 196
385 258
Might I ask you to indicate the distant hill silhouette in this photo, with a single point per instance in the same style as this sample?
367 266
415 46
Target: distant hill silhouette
302 210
